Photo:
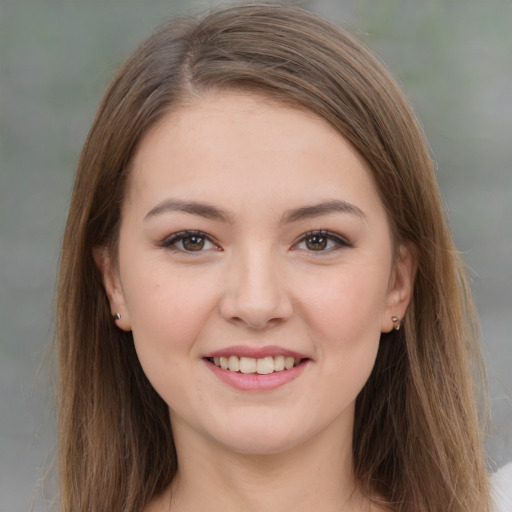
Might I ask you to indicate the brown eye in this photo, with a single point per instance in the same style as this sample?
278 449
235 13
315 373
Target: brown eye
316 242
322 241
193 243
188 242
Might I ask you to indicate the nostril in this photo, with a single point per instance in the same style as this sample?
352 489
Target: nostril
256 322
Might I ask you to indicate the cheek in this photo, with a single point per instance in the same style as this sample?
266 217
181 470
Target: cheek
345 306
168 315
167 312
343 313
347 321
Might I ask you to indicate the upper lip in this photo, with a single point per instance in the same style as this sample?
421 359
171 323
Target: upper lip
255 352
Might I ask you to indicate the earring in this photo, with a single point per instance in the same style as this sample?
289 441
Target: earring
117 316
396 323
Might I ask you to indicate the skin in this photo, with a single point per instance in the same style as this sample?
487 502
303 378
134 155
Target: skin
258 280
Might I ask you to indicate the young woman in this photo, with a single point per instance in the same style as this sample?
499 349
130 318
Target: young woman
260 304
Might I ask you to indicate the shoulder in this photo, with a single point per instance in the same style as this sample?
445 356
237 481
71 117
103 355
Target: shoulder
501 483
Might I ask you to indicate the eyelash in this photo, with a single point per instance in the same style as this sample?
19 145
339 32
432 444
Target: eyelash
171 241
339 241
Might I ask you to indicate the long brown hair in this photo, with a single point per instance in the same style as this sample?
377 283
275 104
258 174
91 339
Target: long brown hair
417 439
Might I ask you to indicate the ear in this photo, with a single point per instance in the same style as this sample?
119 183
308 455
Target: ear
400 288
112 284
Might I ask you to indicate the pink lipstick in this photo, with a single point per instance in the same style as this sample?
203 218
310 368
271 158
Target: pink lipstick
256 368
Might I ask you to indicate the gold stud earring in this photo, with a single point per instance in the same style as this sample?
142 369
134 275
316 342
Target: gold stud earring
396 323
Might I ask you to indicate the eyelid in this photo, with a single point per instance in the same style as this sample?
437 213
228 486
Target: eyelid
169 241
341 241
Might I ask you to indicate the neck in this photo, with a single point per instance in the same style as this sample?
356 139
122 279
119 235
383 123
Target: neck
317 475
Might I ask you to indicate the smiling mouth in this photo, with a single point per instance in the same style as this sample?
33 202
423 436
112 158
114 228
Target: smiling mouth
260 366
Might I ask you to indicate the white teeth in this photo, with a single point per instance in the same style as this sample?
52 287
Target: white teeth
233 364
279 363
247 364
261 366
265 366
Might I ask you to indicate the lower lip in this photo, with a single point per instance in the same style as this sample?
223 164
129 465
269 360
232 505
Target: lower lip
254 381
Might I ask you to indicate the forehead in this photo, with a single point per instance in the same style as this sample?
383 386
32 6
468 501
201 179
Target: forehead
245 144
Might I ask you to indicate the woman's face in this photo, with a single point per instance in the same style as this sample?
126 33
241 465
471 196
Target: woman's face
252 239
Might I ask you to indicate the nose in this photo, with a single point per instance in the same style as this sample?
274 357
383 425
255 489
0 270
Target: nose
255 290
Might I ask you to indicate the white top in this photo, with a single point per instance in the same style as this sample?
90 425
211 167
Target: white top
502 489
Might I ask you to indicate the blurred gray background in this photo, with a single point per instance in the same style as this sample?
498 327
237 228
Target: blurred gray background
454 59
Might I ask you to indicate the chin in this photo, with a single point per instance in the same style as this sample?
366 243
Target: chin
260 444
266 435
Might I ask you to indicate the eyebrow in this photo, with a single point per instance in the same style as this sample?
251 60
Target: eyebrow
193 207
214 213
324 208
